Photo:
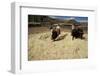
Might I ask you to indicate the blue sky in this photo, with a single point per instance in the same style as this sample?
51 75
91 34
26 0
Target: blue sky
77 18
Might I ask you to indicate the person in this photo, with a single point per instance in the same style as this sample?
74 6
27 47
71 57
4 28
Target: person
54 33
80 30
58 30
75 33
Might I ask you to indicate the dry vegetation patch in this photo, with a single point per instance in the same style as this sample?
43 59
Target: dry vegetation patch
41 47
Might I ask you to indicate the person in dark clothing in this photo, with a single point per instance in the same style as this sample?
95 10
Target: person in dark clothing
74 33
54 34
77 32
80 30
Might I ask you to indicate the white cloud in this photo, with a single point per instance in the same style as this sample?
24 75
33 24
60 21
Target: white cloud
53 16
82 20
71 18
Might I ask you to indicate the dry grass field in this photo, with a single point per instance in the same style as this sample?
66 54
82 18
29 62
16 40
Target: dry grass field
41 47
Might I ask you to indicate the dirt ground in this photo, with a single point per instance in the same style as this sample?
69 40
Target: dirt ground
41 47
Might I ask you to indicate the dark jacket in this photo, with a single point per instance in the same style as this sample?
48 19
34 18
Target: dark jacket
54 34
